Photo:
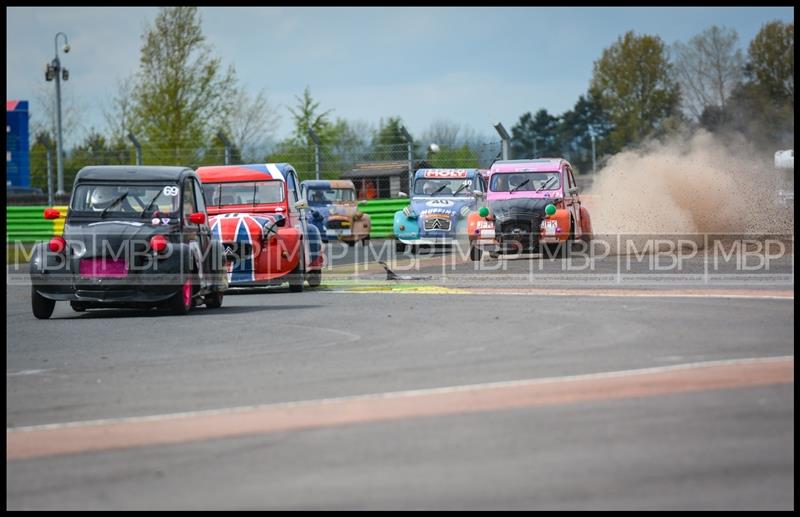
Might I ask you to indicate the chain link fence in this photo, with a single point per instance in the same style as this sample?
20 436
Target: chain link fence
378 171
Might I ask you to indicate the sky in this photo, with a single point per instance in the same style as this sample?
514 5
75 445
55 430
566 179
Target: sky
474 66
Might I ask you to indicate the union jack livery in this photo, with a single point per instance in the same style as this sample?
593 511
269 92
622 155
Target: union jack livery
257 214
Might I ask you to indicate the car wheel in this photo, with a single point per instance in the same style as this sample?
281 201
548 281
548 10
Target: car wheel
213 300
352 243
314 278
78 306
182 301
475 253
297 276
42 307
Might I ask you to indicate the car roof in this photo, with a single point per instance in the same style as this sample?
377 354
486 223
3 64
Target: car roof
531 165
328 184
132 173
249 172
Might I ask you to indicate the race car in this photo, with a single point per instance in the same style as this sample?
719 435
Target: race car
334 210
531 204
441 201
257 213
133 237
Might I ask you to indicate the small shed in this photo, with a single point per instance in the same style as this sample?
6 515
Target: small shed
382 180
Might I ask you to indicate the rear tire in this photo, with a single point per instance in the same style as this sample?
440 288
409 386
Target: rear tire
314 278
181 303
42 307
214 300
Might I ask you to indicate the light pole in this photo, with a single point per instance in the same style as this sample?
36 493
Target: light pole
54 71
316 141
594 162
410 143
505 137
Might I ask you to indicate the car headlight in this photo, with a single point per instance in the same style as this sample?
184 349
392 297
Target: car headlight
409 212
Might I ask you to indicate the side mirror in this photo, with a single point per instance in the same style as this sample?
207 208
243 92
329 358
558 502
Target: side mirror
402 194
478 194
197 218
301 205
573 190
51 213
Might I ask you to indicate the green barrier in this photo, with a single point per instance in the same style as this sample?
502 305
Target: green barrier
381 213
27 224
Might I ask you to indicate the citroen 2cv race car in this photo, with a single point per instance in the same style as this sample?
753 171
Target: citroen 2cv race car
133 237
257 213
531 204
334 210
440 204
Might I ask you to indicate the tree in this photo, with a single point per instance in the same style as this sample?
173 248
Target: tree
534 136
771 56
454 157
182 95
573 134
708 68
445 133
634 81
306 116
251 123
390 143
38 160
119 115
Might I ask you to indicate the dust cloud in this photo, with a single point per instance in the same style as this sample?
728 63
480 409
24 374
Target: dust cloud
689 185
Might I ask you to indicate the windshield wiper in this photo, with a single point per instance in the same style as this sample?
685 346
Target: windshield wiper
462 187
151 202
545 184
439 189
119 198
520 186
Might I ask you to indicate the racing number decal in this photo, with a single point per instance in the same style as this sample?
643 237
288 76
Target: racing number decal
171 191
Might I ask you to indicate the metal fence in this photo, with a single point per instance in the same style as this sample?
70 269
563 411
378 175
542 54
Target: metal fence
376 169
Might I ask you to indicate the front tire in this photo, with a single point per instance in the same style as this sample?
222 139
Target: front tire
42 307
297 276
78 306
475 253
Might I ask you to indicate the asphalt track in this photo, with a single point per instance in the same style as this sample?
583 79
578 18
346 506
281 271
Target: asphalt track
512 388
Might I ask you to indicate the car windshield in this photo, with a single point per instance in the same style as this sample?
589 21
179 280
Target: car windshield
443 187
126 199
525 182
243 193
323 196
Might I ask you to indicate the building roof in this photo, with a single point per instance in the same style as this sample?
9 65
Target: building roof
383 168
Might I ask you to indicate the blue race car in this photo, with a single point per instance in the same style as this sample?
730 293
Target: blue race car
334 210
440 203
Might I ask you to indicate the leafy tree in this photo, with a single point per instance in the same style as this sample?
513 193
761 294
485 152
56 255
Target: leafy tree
306 115
634 82
708 68
454 157
771 56
182 95
535 136
574 135
38 160
390 143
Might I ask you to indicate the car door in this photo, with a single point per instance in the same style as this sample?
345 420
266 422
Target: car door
572 200
204 230
190 232
298 215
